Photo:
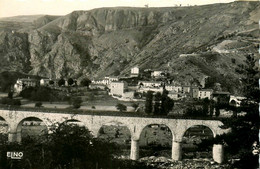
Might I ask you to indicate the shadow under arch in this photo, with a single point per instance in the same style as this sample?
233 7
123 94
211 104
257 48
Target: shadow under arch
156 140
32 127
193 142
116 132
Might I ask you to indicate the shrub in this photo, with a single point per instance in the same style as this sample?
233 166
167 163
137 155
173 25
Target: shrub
8 101
38 104
76 102
121 107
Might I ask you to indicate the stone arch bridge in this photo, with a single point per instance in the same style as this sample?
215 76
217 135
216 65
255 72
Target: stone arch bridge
135 125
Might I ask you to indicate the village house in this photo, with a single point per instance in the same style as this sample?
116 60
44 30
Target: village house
221 97
23 83
98 86
134 72
186 89
150 84
100 81
205 93
195 92
157 73
112 78
154 89
106 80
118 88
176 96
45 82
174 88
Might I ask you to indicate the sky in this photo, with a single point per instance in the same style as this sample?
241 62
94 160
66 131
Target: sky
62 7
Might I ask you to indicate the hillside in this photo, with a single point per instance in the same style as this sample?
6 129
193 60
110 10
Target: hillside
109 41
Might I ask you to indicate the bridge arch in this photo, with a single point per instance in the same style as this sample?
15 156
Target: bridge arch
192 138
157 136
38 124
196 125
114 123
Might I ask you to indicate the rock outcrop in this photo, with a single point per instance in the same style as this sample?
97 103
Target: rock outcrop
109 41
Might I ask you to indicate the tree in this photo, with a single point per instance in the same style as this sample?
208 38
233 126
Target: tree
70 81
157 103
135 106
51 82
245 129
85 82
76 102
166 103
149 102
61 82
38 104
121 107
205 106
10 94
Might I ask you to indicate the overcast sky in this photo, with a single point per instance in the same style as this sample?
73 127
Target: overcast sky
63 7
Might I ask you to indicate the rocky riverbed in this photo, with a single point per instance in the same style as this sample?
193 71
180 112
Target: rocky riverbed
166 163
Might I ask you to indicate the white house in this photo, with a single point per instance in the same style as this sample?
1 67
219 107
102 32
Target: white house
154 89
134 72
150 84
157 73
45 82
175 88
118 88
175 95
205 93
22 83
111 78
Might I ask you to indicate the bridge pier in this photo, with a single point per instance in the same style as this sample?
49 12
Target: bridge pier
14 137
176 151
134 150
218 153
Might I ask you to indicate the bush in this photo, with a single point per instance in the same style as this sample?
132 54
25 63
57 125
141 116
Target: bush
121 107
11 102
76 102
38 104
85 82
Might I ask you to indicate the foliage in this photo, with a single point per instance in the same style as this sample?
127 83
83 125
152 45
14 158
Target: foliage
194 112
8 79
135 106
76 102
149 102
10 95
37 93
51 82
68 146
70 81
121 107
43 93
85 82
244 128
11 102
166 103
61 82
38 104
157 103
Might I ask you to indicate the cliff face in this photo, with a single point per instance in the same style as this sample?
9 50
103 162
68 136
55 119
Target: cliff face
109 41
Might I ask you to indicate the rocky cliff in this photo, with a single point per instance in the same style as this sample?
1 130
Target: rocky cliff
189 42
